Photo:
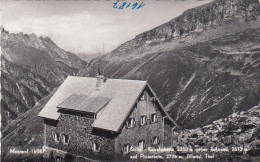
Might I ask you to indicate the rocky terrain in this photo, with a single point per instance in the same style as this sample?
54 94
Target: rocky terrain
40 56
199 24
237 134
203 65
21 89
31 68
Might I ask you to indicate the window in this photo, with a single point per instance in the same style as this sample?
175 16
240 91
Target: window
143 120
154 118
65 139
155 141
95 146
126 149
57 137
153 100
131 123
143 97
141 145
166 137
58 159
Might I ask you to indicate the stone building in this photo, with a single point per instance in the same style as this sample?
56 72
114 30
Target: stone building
104 119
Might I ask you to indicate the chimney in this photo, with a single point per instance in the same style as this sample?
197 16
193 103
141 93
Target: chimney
100 80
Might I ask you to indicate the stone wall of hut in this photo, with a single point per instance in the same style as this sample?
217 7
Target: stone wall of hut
81 135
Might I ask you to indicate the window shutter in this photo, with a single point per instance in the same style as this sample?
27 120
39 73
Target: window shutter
154 118
122 148
95 146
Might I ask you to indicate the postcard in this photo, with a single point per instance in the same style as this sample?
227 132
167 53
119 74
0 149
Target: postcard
130 80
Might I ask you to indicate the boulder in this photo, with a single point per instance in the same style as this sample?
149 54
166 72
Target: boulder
227 140
244 137
214 139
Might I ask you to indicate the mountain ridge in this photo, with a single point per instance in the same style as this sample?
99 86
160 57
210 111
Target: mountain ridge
224 54
31 68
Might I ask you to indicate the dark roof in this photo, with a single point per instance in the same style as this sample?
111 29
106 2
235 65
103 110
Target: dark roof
93 104
74 99
84 103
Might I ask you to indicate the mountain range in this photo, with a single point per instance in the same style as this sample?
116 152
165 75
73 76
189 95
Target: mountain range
31 68
89 56
203 64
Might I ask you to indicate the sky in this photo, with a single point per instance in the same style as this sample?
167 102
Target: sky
89 26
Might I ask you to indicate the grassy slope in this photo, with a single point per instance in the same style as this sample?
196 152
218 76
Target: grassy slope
26 131
202 82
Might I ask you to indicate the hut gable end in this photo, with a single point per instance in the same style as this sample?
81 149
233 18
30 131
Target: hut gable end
146 125
146 110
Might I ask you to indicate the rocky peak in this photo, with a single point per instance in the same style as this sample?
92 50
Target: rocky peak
48 39
197 19
3 31
33 35
32 40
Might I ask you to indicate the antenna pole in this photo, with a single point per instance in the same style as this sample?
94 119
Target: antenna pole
103 48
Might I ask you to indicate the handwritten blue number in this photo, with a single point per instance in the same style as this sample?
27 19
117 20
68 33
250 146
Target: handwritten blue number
123 5
128 5
134 5
141 5
115 4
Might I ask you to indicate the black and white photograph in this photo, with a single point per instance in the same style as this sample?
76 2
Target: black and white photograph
130 80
